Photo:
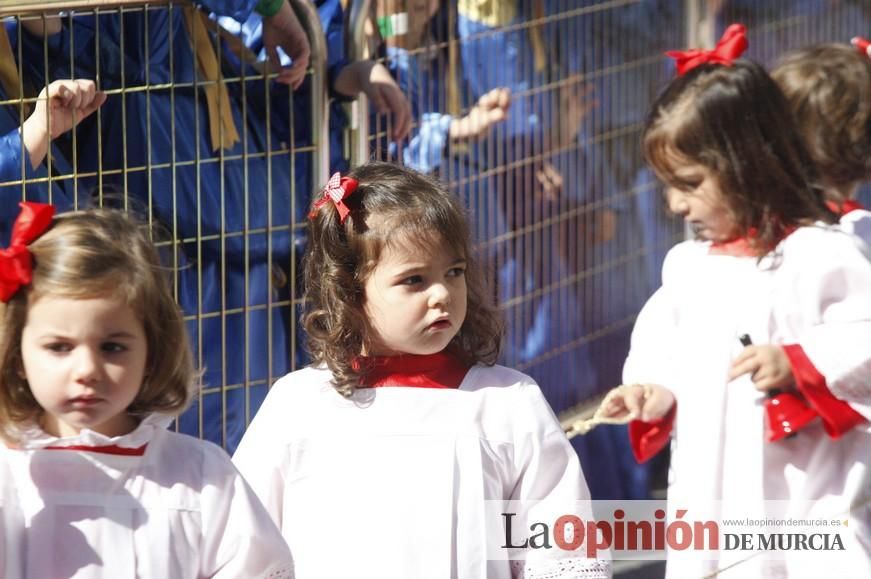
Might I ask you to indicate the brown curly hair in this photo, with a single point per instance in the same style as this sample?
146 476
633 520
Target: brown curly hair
96 253
406 206
734 121
828 87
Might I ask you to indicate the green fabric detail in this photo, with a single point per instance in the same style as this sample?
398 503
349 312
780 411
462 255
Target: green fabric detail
267 8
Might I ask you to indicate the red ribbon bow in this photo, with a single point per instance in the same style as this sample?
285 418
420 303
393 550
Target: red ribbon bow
337 190
16 263
732 45
862 45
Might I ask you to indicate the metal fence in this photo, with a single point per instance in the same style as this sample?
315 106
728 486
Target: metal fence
567 219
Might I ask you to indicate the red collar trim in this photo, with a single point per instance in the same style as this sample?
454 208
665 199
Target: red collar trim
110 449
738 247
441 370
844 207
741 246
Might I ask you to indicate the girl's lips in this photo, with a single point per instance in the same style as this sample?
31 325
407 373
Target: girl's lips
440 325
85 401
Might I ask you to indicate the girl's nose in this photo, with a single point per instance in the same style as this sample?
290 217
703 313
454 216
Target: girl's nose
677 202
439 295
87 368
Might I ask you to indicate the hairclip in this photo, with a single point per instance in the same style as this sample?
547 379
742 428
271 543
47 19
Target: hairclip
337 190
16 262
862 45
732 44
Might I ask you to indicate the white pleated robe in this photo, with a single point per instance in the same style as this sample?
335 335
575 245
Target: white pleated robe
814 290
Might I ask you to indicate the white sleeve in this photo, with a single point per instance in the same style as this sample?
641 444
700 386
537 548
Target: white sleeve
261 461
240 540
831 289
549 480
858 223
650 359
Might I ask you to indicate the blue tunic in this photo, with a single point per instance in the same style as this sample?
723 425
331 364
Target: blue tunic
15 163
231 213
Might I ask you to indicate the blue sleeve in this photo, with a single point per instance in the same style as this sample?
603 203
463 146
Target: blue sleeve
333 22
11 152
426 148
238 10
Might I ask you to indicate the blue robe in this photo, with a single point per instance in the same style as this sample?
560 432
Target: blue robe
292 122
539 326
235 255
15 163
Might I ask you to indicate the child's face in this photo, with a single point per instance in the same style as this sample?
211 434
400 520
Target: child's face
416 301
84 360
696 197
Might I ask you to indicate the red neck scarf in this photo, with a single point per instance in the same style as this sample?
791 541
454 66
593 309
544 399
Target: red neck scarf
739 247
441 370
742 246
844 207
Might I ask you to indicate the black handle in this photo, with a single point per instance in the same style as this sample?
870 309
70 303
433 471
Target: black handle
746 341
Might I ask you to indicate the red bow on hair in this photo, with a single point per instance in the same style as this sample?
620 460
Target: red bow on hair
16 263
732 45
338 188
862 45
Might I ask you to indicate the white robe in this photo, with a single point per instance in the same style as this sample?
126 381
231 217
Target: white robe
11 525
395 483
858 222
814 290
178 511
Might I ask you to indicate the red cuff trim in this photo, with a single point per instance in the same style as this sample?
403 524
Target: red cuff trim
648 438
838 417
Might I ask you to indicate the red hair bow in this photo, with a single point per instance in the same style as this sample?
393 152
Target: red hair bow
862 45
732 45
337 190
16 263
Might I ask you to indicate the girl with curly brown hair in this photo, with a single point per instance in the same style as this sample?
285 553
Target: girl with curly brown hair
403 428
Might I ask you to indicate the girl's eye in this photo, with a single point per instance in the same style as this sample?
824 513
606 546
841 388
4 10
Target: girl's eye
58 347
412 280
113 347
457 272
687 185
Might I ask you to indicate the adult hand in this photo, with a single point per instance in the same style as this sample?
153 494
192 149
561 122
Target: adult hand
549 182
604 226
283 29
490 109
386 97
768 366
575 102
48 25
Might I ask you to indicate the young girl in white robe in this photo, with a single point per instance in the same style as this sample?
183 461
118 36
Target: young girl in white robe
827 87
384 458
94 362
766 262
